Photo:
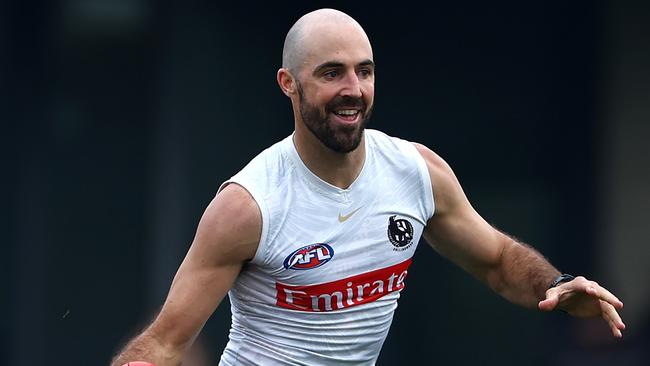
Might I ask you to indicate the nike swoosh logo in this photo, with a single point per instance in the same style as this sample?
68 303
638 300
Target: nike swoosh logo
343 218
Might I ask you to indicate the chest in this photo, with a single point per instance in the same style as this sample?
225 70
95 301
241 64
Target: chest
322 239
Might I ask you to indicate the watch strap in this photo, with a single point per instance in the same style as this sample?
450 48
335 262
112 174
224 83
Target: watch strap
564 277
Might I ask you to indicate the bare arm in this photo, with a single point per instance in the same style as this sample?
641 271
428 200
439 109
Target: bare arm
511 268
227 236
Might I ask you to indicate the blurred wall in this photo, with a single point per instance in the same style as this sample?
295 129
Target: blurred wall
625 175
121 119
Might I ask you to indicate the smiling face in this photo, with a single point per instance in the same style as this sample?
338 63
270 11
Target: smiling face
333 84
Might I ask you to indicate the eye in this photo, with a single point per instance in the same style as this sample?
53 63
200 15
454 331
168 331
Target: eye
364 73
331 74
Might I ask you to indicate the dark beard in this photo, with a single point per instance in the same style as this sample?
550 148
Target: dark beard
342 139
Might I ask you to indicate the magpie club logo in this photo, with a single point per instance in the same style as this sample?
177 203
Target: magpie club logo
309 256
400 233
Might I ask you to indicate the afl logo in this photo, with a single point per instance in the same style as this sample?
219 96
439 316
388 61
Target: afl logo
400 233
309 256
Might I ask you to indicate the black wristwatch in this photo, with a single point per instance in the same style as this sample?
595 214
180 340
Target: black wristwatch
561 278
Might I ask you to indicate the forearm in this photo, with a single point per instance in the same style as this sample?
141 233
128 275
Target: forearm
522 275
146 347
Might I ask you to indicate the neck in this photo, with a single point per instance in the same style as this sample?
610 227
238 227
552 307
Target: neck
337 169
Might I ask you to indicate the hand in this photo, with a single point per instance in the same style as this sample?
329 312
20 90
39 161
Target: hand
583 298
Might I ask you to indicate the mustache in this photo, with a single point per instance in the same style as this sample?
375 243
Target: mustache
346 101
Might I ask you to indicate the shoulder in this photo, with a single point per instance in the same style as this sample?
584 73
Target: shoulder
237 203
381 138
391 147
446 188
231 224
266 169
435 163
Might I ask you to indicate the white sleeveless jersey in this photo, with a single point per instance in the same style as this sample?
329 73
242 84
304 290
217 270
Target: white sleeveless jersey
331 262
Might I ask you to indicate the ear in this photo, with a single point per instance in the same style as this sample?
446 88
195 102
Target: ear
286 82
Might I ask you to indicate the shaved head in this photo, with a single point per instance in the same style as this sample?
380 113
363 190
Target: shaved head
298 45
328 73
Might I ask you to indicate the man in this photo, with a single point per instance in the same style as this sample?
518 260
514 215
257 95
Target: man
314 237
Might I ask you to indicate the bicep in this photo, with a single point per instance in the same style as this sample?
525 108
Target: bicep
456 230
226 237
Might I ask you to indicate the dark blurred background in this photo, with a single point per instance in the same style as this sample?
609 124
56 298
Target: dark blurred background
120 118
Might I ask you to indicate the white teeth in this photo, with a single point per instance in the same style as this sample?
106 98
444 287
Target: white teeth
347 112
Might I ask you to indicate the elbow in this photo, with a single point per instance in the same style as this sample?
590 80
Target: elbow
497 269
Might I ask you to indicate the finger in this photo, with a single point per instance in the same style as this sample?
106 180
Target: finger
610 314
549 303
605 295
615 331
613 315
594 289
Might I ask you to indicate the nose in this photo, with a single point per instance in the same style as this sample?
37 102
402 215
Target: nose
352 86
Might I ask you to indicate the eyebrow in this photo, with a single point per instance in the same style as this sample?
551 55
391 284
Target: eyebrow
337 64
